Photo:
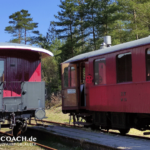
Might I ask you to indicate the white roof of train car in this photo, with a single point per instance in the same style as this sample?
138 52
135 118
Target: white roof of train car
44 53
111 49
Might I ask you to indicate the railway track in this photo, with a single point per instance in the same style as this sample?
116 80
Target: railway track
68 125
35 143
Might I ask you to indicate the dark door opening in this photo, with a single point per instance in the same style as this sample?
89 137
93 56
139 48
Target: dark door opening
82 85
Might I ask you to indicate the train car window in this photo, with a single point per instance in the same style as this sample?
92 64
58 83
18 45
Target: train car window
148 65
100 71
66 84
124 67
73 77
1 70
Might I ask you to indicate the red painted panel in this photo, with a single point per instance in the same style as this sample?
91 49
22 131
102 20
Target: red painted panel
35 77
111 69
121 98
6 93
20 66
138 64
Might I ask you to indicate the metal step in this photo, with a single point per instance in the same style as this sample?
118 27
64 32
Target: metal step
84 115
83 123
146 133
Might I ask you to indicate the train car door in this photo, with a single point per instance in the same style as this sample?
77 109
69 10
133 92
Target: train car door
82 85
69 85
2 69
84 73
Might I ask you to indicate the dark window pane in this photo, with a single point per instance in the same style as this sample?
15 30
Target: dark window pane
148 65
73 77
66 77
100 71
1 70
124 67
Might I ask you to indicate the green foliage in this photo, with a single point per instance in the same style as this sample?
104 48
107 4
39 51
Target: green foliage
50 75
67 29
135 15
20 25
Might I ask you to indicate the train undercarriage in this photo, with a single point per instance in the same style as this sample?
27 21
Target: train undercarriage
111 120
16 110
17 121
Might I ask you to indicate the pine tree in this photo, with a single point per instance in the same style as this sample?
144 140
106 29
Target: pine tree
101 18
105 16
81 24
136 15
65 26
45 41
91 9
21 24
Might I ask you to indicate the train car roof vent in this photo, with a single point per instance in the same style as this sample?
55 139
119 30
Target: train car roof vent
103 45
106 43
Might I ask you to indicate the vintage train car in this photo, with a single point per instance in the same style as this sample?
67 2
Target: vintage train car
109 87
22 92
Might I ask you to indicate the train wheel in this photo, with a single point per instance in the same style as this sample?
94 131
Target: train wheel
24 129
94 127
86 126
124 131
16 130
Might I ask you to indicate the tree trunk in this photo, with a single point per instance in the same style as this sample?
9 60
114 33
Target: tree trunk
81 25
71 40
25 36
19 36
134 15
82 35
93 32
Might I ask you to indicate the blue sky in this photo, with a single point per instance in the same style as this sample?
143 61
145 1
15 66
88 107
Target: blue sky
42 12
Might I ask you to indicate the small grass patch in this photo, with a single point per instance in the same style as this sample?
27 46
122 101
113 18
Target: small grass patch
55 114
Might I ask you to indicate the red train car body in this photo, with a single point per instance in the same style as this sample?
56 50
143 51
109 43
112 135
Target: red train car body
111 86
19 66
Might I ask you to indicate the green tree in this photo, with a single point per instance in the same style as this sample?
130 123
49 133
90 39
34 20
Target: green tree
51 66
81 25
21 23
50 75
90 24
135 14
65 27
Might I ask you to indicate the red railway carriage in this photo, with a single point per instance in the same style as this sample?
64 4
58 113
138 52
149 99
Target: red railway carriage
22 93
110 87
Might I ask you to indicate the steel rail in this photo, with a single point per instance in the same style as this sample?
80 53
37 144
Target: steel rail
64 124
52 122
43 146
